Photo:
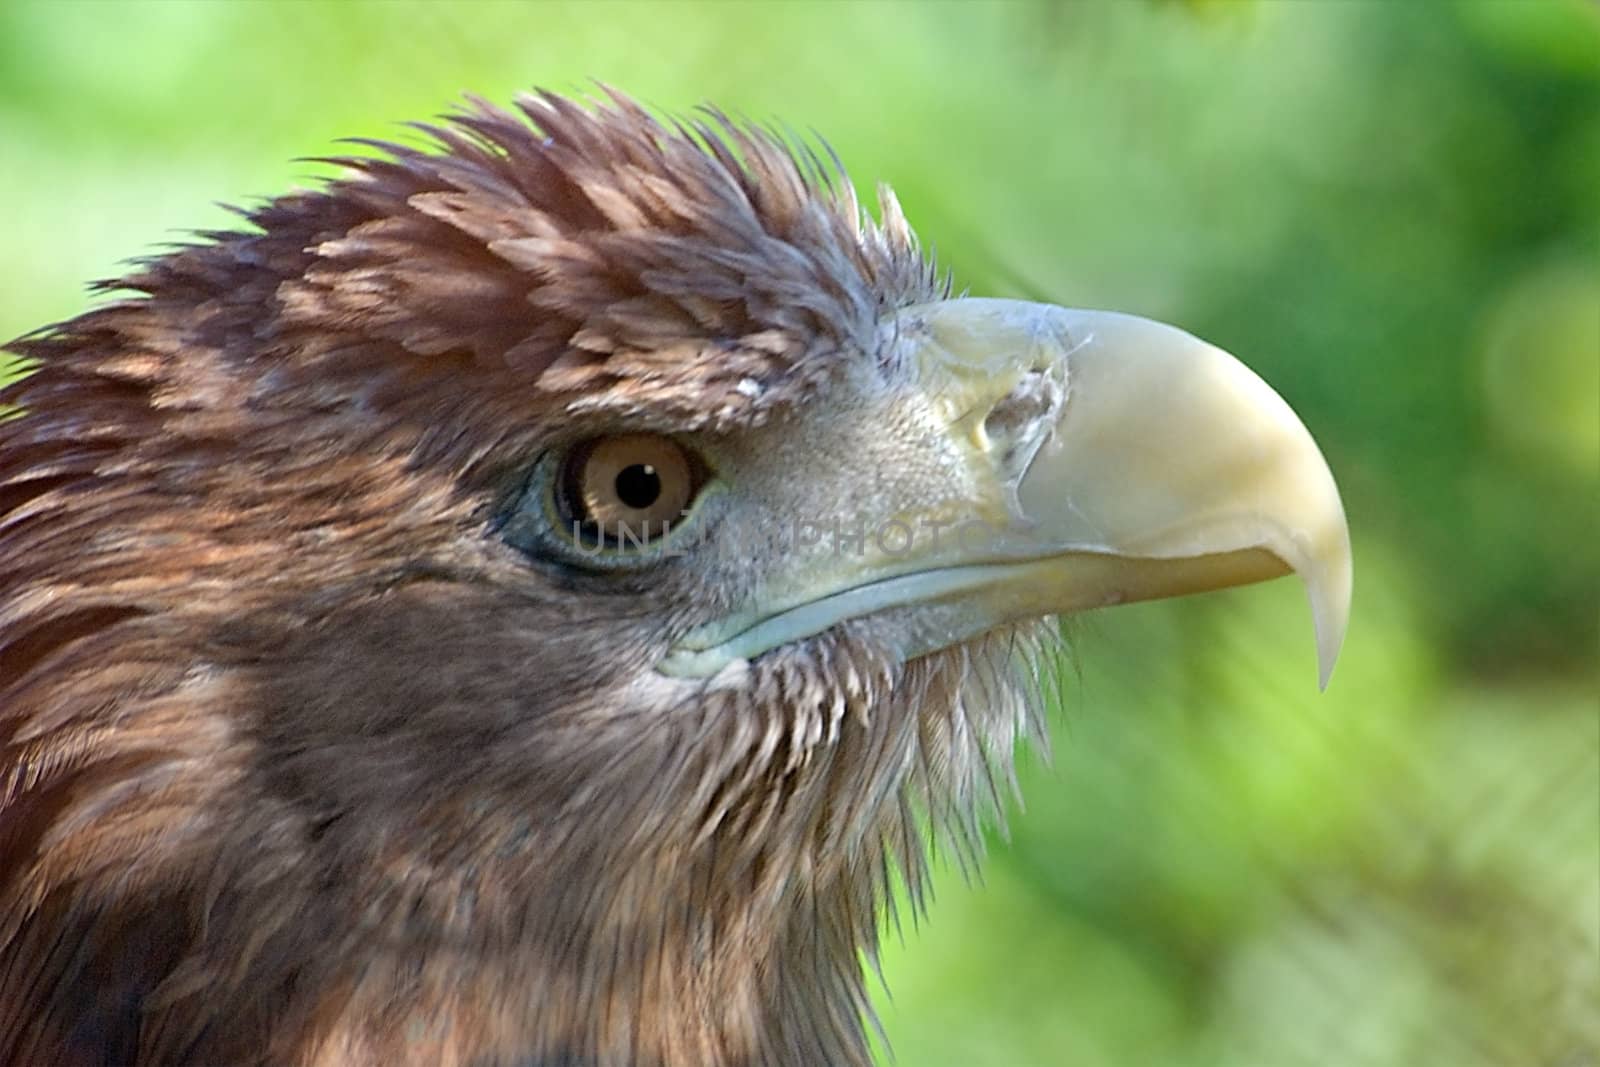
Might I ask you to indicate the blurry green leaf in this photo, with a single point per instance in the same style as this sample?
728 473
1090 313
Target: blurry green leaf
1541 364
1027 984
1555 35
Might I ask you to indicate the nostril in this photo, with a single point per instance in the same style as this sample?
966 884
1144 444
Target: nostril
1024 412
1022 421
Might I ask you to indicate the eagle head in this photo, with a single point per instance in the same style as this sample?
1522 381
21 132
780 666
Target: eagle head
524 601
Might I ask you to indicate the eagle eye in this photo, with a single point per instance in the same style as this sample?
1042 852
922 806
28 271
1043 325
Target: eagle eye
625 491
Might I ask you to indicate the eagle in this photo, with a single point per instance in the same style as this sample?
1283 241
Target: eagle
530 599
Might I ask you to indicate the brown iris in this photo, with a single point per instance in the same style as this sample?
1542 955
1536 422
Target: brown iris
628 490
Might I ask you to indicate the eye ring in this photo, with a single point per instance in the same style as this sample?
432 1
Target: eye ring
625 492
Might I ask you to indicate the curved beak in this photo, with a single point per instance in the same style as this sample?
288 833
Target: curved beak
1129 461
1170 467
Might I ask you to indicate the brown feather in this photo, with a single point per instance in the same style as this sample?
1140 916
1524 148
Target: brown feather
301 764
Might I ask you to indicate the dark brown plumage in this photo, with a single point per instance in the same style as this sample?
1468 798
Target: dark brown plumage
296 751
316 748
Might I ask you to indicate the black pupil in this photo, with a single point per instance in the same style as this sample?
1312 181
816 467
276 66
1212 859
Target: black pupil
638 486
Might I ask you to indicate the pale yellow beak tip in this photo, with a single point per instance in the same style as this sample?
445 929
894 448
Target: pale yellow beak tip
1330 611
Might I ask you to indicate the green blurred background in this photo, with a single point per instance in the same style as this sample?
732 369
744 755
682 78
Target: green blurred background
1391 210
